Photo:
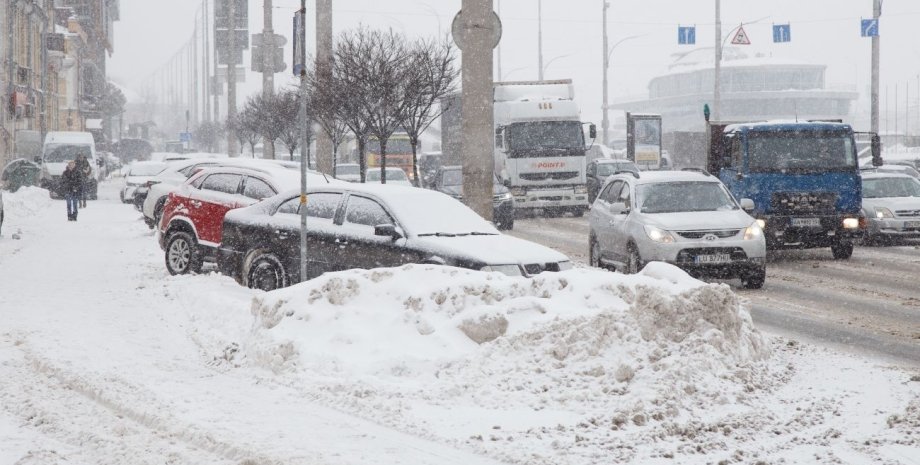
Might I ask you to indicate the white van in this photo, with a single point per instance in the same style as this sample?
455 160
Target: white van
61 148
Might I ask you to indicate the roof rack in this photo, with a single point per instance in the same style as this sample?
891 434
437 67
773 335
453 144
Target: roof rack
634 173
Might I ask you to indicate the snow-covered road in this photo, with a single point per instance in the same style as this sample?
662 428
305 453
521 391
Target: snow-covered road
105 359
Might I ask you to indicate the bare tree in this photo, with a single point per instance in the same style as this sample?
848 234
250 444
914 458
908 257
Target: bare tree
372 67
431 74
268 118
288 104
327 98
208 135
248 126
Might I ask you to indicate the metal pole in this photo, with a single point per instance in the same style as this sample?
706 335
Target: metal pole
717 76
323 64
231 80
897 137
205 59
876 12
540 38
268 71
498 60
478 132
605 123
304 268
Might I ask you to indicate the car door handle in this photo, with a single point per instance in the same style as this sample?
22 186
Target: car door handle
195 203
282 234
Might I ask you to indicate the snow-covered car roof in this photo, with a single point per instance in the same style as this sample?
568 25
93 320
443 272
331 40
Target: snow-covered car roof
884 174
283 178
652 177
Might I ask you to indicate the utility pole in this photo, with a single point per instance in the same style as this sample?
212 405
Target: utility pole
231 79
717 86
478 132
300 58
205 59
876 12
268 71
540 39
498 61
324 64
605 123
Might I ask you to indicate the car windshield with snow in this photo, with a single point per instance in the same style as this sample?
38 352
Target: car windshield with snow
369 227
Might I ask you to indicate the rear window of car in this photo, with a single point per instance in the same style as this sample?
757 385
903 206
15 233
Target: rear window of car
321 205
257 189
222 182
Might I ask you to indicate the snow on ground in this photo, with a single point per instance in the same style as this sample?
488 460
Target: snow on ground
104 358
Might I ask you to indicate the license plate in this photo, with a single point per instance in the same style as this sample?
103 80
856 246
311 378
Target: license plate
806 222
912 225
713 259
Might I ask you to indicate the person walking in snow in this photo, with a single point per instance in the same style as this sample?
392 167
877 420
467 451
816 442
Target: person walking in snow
87 172
72 187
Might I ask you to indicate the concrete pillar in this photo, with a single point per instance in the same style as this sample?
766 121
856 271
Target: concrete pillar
477 128
323 61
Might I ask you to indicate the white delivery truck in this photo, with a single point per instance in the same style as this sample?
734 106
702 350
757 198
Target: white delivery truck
59 149
539 144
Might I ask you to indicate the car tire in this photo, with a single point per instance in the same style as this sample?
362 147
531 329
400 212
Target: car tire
182 254
754 280
158 212
265 272
842 250
578 212
505 224
633 260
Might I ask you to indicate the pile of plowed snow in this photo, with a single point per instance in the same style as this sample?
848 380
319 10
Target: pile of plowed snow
541 361
25 202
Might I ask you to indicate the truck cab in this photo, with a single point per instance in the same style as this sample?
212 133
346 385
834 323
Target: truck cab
802 176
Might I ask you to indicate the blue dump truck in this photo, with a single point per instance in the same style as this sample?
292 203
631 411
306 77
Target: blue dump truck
802 176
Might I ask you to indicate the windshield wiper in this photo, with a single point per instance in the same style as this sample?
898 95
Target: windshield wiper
438 235
477 233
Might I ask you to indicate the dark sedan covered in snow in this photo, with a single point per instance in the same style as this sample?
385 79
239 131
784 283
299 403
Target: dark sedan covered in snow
369 226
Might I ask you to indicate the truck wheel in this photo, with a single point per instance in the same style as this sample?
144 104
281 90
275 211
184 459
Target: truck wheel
754 280
842 250
182 255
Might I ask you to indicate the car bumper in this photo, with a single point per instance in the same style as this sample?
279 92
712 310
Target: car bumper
905 228
781 232
721 258
127 193
551 198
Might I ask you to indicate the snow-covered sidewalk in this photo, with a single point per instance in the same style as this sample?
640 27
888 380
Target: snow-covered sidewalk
104 358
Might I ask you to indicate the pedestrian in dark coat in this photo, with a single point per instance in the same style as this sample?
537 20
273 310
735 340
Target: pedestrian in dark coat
86 171
72 186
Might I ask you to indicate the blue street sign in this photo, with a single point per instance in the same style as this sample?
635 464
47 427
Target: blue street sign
782 33
869 28
686 35
185 137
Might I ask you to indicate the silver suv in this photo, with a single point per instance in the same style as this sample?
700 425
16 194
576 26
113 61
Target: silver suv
688 219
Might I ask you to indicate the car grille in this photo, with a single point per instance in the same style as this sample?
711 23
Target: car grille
723 234
803 202
560 176
907 213
688 255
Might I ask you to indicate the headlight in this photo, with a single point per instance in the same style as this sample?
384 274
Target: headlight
518 191
762 224
510 270
502 197
880 212
658 235
581 189
851 223
754 231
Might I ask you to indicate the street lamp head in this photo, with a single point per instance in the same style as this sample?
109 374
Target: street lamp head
706 111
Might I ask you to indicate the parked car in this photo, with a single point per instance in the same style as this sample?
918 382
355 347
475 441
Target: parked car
369 226
139 173
395 177
891 202
449 180
599 170
688 219
902 168
190 227
350 172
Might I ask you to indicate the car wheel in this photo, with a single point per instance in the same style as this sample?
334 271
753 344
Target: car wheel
633 261
182 255
158 213
578 212
842 250
754 280
594 253
266 273
505 223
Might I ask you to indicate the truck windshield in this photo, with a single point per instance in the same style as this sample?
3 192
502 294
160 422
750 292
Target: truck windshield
890 187
802 151
674 197
546 139
60 153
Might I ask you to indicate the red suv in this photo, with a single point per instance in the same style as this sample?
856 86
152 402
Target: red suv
190 227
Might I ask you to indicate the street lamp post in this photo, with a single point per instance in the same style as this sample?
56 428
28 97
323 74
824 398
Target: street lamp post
540 38
608 52
546 66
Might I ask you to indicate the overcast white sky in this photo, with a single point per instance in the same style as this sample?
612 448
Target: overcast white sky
823 32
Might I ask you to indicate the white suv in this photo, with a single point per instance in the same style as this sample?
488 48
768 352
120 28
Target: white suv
685 218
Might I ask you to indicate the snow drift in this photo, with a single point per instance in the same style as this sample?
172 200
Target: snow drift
569 351
25 202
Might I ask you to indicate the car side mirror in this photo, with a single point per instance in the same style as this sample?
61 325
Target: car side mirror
506 183
37 160
387 230
592 131
747 205
619 208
